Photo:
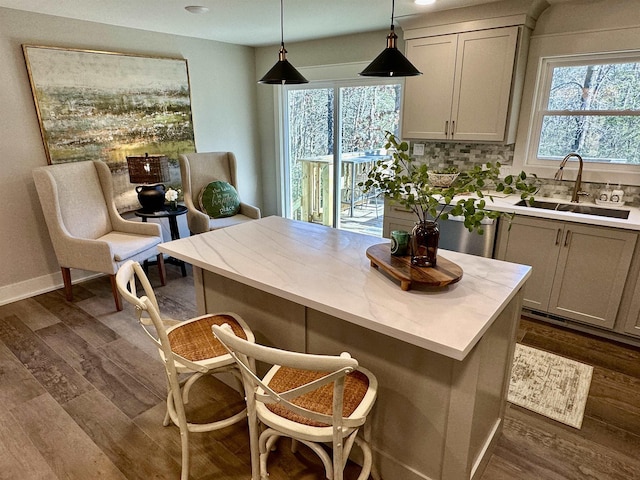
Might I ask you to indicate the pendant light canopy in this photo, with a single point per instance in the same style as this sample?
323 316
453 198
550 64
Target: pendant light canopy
283 72
391 62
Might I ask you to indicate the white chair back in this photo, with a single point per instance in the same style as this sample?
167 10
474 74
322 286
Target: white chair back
148 313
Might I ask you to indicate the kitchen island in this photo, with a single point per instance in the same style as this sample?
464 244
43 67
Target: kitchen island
442 356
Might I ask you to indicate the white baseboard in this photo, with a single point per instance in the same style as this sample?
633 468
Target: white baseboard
36 286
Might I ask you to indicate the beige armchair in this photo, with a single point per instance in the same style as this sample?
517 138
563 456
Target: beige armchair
200 169
86 230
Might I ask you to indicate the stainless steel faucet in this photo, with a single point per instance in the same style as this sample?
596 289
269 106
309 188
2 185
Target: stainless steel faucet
576 188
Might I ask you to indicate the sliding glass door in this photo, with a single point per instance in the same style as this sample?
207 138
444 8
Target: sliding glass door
310 144
334 134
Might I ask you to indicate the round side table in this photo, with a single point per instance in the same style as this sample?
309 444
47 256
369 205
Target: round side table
172 215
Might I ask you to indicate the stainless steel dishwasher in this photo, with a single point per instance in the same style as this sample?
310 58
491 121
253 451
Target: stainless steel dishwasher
454 236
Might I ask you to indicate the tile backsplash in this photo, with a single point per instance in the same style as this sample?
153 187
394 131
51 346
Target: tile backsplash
463 156
439 155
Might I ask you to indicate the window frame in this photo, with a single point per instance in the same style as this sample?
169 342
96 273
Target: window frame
545 167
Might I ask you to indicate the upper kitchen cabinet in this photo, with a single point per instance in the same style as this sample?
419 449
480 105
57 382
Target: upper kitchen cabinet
465 88
472 63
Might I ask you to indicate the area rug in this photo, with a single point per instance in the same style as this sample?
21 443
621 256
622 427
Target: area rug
550 385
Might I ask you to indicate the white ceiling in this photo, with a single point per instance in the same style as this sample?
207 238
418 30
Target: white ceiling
244 22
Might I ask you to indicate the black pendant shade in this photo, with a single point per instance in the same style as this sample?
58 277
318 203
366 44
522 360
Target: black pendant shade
391 62
283 72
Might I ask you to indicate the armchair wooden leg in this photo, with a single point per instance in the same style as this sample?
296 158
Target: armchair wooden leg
161 270
116 294
66 278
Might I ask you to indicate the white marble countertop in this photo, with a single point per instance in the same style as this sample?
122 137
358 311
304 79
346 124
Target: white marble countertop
327 270
507 204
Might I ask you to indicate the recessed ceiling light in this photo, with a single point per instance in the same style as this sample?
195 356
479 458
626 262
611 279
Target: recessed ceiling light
424 2
196 9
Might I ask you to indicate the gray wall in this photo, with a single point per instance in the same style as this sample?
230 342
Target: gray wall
223 94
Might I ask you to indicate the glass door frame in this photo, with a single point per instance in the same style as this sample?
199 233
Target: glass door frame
284 188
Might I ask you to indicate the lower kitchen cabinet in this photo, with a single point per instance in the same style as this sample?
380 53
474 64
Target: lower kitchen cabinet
396 217
579 271
632 324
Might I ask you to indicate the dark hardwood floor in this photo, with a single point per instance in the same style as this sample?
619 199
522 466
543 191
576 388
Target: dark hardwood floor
82 395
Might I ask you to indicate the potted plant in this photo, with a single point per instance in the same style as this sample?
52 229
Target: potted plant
410 183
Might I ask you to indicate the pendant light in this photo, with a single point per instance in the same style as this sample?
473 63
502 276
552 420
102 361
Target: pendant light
391 62
283 72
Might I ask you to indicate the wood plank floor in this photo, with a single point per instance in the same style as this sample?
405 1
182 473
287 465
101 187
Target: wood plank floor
82 395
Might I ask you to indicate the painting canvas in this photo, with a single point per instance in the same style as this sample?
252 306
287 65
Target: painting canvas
106 106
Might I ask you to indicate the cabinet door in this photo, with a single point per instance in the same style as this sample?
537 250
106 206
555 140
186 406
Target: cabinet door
632 323
591 274
427 98
396 217
534 242
484 72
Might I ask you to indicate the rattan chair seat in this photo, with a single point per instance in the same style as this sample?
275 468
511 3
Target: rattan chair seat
320 400
193 340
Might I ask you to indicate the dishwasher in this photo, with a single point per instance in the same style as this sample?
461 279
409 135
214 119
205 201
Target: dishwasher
455 236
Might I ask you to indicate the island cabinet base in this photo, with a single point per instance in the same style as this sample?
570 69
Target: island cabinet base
435 417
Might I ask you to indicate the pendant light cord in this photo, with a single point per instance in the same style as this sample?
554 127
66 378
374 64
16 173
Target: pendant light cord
393 8
282 22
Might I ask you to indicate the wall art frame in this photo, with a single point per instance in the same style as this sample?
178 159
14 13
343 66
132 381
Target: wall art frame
99 105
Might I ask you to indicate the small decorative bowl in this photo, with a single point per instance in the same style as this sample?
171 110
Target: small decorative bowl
442 179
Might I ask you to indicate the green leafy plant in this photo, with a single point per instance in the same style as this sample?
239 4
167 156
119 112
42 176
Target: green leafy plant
406 182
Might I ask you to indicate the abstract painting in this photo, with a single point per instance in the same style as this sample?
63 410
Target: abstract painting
94 105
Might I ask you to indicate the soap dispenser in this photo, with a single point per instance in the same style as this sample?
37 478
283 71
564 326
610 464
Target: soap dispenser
605 194
616 195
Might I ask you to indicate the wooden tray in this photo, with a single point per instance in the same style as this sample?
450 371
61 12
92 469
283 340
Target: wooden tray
400 268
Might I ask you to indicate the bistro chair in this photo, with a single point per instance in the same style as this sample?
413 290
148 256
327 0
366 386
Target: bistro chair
313 399
184 347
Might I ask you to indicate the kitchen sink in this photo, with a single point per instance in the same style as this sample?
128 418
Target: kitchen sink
576 208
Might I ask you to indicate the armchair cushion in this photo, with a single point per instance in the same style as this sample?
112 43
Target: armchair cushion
219 199
128 245
216 223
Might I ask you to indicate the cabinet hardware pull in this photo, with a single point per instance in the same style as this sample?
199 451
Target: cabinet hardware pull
446 127
453 127
558 236
567 238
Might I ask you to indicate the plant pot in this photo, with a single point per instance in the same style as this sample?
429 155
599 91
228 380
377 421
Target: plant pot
424 244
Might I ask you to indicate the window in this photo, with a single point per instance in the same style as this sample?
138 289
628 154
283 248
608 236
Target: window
335 132
589 105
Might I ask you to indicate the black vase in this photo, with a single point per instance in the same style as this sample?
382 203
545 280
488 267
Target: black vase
424 244
151 197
